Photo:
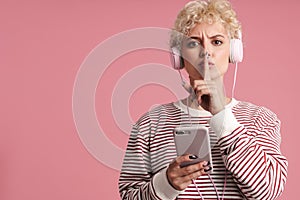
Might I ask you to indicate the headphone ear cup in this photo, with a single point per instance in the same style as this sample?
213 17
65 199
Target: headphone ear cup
176 59
236 51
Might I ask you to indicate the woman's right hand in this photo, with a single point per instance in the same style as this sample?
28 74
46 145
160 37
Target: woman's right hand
181 177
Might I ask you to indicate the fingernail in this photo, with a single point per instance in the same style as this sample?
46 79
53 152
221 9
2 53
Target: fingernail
193 157
206 170
208 163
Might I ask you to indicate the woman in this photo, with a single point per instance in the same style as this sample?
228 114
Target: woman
246 157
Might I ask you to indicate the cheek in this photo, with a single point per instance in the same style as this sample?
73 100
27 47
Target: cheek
190 55
222 60
222 55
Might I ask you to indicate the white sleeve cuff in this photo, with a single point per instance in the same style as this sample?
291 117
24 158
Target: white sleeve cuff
162 187
224 123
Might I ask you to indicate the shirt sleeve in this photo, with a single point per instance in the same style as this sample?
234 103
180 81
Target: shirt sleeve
251 152
137 181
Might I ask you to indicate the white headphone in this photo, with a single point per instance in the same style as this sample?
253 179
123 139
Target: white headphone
236 49
236 53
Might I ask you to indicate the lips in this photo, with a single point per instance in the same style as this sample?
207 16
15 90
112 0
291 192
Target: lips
210 64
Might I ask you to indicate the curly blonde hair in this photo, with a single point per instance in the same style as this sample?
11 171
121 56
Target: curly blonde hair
209 11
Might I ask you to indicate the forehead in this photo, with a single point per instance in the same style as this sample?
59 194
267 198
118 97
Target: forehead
215 28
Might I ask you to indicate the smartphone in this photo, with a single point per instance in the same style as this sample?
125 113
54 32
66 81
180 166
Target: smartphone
193 140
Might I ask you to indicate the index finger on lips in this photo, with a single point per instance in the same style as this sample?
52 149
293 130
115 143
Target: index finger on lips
206 68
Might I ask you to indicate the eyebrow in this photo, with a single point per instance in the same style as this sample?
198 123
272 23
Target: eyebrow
214 36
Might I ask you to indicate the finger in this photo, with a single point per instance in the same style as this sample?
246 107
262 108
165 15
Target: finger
194 168
181 181
180 159
204 82
192 176
175 169
205 90
203 167
197 83
202 91
206 68
200 85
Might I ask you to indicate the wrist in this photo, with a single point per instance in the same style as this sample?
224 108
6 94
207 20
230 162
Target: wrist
162 186
168 179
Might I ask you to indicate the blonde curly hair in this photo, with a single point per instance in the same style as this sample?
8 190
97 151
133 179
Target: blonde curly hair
209 11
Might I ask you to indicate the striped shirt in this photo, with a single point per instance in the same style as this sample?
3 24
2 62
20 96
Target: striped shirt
245 142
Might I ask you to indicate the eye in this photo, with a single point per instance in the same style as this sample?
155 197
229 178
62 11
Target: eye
217 42
192 43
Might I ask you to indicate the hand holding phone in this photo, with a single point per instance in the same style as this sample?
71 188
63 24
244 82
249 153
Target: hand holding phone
181 177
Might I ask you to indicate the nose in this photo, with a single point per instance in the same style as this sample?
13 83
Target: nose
204 50
202 53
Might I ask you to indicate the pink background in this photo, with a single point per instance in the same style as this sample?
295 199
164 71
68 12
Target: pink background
42 45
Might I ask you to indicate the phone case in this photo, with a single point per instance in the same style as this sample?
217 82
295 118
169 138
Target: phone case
193 140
